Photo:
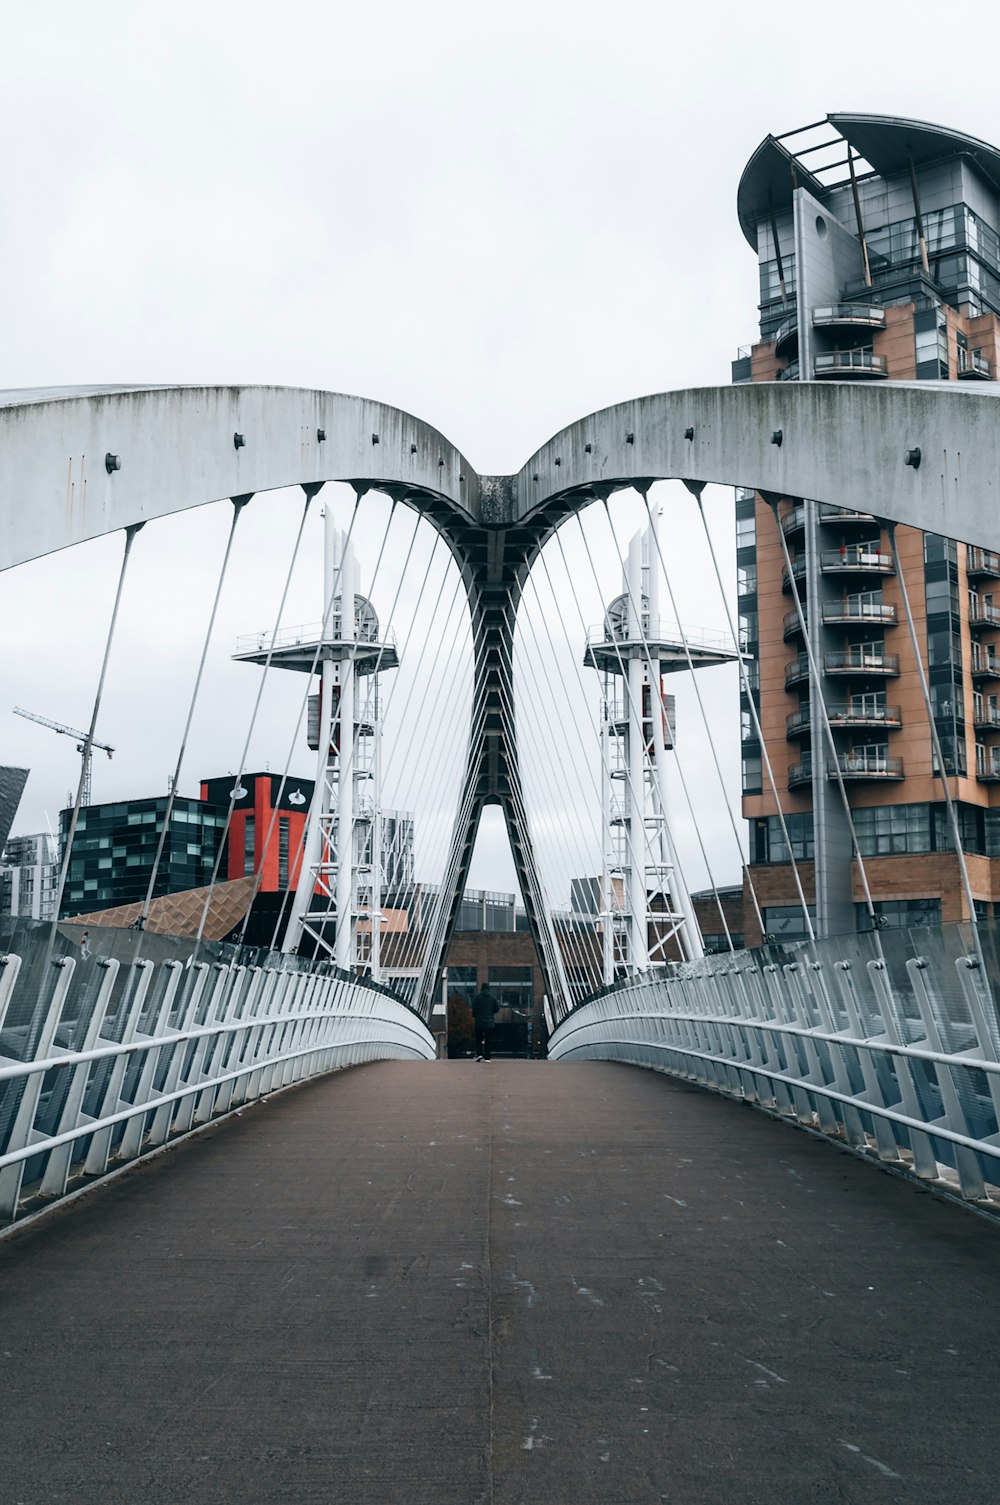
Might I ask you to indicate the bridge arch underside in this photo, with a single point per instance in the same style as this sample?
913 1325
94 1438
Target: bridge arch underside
76 464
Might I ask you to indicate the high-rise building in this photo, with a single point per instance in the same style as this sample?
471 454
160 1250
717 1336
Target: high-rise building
115 846
12 782
878 242
29 877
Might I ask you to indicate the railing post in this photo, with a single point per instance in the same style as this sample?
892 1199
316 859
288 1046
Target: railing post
100 1146
60 1159
23 1129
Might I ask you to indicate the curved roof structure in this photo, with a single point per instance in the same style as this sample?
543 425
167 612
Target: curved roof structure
885 142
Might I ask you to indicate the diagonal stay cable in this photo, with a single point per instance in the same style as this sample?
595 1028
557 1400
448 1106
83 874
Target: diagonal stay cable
238 502
755 716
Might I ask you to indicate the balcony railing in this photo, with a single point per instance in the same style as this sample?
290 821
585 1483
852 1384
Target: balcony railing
973 366
800 773
790 372
986 718
982 562
841 515
983 614
849 363
841 314
798 570
852 765
787 333
797 669
859 611
886 717
860 660
987 763
985 665
857 559
793 521
792 626
865 765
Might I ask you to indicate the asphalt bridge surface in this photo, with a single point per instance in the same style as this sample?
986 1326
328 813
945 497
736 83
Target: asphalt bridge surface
456 1283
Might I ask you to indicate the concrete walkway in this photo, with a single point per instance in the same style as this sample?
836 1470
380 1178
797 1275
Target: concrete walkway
518 1282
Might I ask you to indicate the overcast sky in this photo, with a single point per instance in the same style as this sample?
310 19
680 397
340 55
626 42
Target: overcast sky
498 218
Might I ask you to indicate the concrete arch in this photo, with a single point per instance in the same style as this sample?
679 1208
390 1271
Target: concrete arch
839 442
178 450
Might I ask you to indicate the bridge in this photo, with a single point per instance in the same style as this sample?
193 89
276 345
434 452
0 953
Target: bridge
232 1269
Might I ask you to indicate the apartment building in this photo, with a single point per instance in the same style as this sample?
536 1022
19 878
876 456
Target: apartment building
878 243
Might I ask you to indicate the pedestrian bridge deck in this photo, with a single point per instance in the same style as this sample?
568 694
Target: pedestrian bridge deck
423 1284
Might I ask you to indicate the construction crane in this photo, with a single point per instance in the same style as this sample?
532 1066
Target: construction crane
81 745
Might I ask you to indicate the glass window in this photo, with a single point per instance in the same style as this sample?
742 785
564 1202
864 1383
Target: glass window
785 922
746 532
746 579
899 914
752 775
248 846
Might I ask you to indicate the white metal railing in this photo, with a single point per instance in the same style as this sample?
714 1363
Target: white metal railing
311 632
104 1058
890 1042
601 636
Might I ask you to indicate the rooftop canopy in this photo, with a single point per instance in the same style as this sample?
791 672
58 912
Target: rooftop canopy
816 156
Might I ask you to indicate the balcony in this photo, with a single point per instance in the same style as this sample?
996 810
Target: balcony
861 659
986 718
852 714
798 570
984 665
973 366
857 559
789 372
793 521
983 613
849 612
849 365
797 670
982 562
863 764
792 626
800 773
842 516
849 316
987 764
786 336
853 765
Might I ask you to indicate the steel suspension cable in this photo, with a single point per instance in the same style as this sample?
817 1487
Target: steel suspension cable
335 723
646 844
637 607
646 847
310 493
817 701
554 790
956 834
88 742
238 503
654 535
696 488
604 829
327 614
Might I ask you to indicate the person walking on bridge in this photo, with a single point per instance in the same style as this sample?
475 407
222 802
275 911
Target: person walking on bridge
484 1009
